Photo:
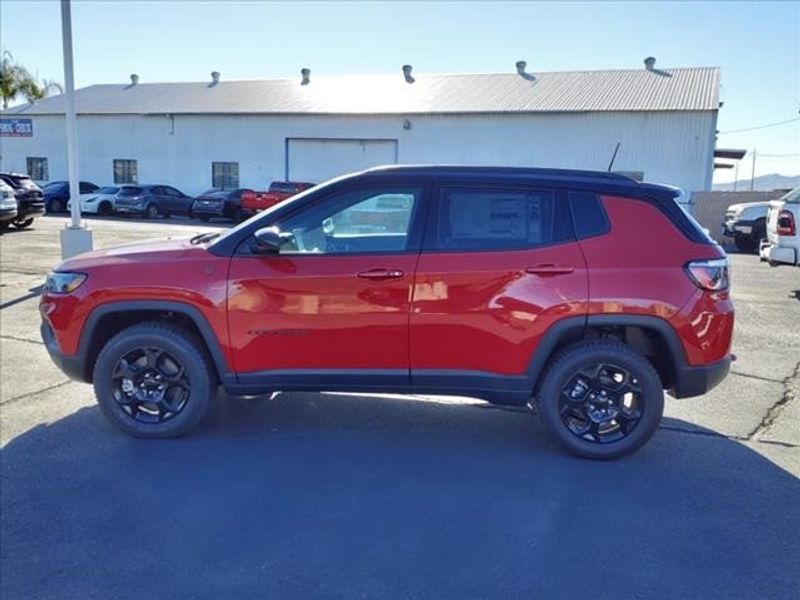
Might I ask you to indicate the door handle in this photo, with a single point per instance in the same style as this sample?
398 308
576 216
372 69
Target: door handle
550 269
380 274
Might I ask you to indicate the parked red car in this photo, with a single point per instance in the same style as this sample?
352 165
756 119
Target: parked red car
254 202
586 292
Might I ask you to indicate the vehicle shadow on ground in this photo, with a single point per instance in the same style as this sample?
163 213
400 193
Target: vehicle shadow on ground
34 292
335 496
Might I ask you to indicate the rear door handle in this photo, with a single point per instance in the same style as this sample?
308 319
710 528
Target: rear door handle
380 274
550 269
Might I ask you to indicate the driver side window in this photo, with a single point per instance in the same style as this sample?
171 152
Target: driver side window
362 221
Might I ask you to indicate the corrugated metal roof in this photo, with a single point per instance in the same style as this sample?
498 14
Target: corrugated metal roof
574 91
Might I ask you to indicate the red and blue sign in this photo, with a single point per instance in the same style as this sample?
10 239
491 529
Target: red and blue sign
16 128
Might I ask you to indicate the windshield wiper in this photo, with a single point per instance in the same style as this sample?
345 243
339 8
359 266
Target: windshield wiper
202 238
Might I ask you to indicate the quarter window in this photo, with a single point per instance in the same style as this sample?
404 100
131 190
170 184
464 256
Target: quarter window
225 175
498 219
125 171
37 168
588 214
368 221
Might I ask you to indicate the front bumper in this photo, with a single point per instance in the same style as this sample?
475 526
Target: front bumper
71 366
697 380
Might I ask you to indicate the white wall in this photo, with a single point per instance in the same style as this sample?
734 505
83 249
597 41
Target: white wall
669 147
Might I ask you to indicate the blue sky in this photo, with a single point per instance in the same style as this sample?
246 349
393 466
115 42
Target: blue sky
757 45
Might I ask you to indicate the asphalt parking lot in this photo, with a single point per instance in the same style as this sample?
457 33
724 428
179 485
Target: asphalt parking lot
341 496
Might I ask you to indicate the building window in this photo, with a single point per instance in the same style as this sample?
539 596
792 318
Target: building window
224 175
125 171
37 168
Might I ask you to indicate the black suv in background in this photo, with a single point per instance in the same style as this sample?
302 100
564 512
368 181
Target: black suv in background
56 194
30 200
153 200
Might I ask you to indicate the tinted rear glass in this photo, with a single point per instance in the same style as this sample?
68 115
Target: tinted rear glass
130 191
108 190
282 186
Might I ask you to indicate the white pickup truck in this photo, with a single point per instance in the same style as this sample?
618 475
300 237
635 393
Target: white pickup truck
782 246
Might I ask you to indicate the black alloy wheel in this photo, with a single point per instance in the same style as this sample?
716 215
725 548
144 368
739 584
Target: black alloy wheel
150 385
600 399
602 403
155 380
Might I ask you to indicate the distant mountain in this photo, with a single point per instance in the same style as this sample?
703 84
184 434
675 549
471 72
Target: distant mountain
764 183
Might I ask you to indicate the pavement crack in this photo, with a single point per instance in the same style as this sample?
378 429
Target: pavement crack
774 411
21 339
759 377
33 393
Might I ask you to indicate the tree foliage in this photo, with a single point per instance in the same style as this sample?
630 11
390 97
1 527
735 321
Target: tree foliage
16 81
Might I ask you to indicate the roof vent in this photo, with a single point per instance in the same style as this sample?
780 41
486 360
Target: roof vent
306 73
214 77
521 65
650 63
134 79
407 74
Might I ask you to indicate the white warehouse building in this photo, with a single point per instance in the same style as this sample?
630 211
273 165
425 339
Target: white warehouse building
656 124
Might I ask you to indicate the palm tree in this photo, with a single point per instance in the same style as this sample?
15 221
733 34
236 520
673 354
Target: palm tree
16 80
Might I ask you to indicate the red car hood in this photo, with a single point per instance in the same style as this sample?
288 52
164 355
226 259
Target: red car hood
148 250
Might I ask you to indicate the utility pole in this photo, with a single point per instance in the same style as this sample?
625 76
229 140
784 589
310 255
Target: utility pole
753 173
75 238
736 176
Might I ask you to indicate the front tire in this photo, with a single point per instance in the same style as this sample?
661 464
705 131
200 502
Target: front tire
151 212
23 223
153 380
55 206
600 399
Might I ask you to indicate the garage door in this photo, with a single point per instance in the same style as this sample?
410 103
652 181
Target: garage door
318 159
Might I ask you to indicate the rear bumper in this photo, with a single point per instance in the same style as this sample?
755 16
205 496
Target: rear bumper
781 255
697 380
71 366
30 208
210 211
8 214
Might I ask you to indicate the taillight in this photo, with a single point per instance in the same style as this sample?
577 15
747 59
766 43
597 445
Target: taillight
711 275
786 224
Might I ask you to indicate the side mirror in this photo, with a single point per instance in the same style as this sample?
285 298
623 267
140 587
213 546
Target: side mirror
267 240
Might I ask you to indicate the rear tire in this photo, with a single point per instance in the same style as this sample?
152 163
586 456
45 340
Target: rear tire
105 209
205 218
172 415
151 212
600 415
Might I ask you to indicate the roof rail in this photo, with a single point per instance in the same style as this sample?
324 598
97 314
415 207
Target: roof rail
537 171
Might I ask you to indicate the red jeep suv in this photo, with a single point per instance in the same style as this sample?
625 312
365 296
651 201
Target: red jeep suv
585 293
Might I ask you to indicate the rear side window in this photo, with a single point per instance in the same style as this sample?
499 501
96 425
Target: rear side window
498 219
130 191
588 215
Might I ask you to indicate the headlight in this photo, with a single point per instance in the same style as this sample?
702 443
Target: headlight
63 283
